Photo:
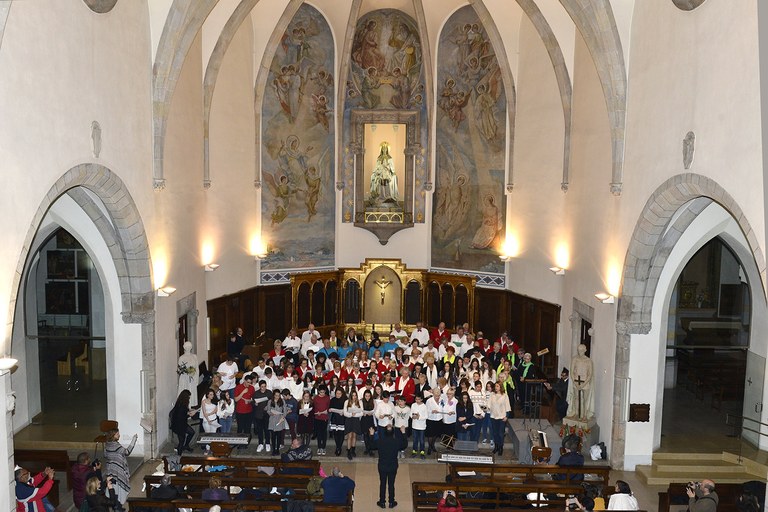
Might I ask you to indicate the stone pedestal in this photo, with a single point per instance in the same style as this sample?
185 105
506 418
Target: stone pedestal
590 432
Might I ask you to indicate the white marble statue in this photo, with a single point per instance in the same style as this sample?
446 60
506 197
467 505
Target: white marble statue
581 397
187 371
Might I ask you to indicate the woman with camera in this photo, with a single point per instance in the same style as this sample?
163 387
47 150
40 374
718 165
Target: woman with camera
449 503
100 500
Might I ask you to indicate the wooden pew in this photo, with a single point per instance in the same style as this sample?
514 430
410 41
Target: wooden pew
196 482
527 473
727 494
241 465
36 461
138 504
499 496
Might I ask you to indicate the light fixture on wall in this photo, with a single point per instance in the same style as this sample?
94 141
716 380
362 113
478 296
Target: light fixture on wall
7 362
558 271
505 257
605 298
211 267
166 291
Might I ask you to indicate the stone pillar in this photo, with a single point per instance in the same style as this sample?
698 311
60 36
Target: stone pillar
762 32
7 491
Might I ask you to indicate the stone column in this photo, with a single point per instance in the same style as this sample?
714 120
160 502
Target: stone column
8 491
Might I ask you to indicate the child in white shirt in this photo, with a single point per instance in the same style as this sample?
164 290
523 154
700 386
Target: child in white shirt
418 425
402 417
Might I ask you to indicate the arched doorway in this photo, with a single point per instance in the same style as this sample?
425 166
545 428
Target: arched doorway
91 203
681 216
707 347
65 329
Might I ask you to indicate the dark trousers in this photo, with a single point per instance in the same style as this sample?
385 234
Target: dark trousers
244 420
387 482
277 440
321 431
185 437
498 427
261 426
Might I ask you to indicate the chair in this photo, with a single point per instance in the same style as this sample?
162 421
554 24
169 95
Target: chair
221 449
104 427
541 454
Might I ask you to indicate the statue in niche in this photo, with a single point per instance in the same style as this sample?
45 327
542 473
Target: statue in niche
581 398
689 149
383 179
187 371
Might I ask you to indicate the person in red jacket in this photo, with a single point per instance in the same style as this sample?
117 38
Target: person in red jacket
449 503
437 335
31 493
80 472
405 385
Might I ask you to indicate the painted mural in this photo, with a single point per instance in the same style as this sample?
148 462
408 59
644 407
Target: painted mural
385 73
298 199
468 208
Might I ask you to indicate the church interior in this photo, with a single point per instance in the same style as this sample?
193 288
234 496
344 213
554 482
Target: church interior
562 172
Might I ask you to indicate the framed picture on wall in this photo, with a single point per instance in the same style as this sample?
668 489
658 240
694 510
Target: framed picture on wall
61 264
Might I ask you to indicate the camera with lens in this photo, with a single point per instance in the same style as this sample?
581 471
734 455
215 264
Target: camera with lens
692 486
572 503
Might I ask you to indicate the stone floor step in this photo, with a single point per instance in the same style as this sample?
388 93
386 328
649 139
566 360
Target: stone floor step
686 456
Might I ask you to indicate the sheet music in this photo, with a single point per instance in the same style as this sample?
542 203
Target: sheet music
337 411
305 410
368 413
354 410
259 400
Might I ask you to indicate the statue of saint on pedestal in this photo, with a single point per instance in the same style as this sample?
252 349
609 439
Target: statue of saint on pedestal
187 372
581 398
383 179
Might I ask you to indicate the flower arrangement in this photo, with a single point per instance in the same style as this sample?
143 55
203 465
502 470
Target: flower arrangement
183 369
570 429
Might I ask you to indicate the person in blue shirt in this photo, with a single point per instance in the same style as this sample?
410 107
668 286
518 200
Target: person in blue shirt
375 345
336 488
390 345
327 348
344 349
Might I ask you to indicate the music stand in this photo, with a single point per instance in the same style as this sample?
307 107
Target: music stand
532 400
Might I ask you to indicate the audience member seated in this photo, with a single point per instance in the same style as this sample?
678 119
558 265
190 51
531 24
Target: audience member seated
215 492
166 490
571 458
336 488
623 499
80 470
297 451
32 492
449 503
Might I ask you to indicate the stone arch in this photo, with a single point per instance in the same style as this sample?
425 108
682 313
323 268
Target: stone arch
594 20
240 14
185 19
667 214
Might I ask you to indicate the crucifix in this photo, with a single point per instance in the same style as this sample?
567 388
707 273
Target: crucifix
382 283
578 380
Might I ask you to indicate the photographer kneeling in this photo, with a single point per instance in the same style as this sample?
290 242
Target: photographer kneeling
449 503
702 496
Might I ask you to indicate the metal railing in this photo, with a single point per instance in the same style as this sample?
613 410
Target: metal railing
739 427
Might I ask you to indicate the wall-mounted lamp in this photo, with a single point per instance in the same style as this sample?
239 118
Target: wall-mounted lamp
7 362
558 271
505 257
166 291
605 298
211 267
261 256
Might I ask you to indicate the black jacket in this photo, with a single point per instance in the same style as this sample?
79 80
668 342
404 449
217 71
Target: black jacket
388 448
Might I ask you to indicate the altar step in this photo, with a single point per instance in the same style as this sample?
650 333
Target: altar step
685 467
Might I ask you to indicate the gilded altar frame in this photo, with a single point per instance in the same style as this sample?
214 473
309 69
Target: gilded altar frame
384 224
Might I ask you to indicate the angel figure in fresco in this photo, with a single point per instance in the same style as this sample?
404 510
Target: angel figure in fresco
402 86
322 82
321 110
453 195
365 48
287 85
313 178
282 190
491 225
485 106
446 94
456 106
370 84
296 44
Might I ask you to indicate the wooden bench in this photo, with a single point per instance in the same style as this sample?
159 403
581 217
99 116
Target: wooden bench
727 494
138 504
195 482
241 465
527 473
494 495
36 461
